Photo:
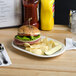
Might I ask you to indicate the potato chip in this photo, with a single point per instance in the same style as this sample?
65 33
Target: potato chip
26 44
43 47
56 43
35 46
45 40
37 51
28 48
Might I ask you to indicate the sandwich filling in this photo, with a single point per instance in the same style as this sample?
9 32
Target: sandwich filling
27 38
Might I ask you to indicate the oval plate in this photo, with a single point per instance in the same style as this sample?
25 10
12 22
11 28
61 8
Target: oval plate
43 56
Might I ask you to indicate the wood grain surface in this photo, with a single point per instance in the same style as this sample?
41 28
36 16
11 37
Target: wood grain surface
26 65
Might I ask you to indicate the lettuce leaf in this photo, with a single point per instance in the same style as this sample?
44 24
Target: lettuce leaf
27 38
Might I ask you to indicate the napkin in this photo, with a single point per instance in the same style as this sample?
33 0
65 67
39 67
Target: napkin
70 44
6 56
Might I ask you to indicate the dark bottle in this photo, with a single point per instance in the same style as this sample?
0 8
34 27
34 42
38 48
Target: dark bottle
31 11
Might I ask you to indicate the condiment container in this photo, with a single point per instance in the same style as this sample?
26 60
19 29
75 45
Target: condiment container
73 20
31 11
47 14
73 25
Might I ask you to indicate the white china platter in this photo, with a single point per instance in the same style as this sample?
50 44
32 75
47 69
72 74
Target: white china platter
43 56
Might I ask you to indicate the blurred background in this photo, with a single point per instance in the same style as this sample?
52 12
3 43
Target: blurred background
62 8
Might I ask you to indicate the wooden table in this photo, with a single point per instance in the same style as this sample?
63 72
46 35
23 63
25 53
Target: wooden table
27 65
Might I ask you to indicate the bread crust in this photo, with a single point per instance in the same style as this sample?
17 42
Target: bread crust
27 30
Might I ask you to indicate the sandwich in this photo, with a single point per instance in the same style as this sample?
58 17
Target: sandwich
27 34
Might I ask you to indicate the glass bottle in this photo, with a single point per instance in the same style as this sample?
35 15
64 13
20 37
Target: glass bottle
31 11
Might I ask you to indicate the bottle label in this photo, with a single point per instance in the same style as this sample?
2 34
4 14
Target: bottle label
53 7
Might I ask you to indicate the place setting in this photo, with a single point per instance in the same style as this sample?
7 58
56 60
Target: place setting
37 37
4 58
